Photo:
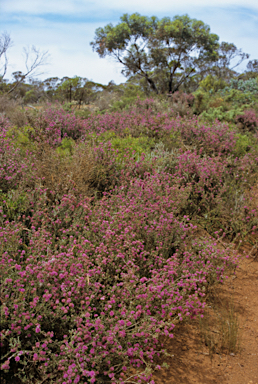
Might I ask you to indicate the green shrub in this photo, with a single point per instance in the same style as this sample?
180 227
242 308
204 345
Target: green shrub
104 137
21 137
82 113
212 84
66 148
13 204
243 145
245 86
222 114
131 146
201 100
123 103
68 107
237 97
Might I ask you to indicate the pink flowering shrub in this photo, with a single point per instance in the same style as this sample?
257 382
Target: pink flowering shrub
12 166
53 124
209 139
248 121
181 97
99 250
89 287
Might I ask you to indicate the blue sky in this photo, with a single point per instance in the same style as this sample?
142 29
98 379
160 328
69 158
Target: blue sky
66 27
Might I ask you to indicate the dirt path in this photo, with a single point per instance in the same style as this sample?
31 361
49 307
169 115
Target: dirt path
191 362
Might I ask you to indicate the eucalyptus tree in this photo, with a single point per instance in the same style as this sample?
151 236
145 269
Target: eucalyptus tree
165 52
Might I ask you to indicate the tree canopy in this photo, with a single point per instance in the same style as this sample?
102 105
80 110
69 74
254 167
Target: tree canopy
169 49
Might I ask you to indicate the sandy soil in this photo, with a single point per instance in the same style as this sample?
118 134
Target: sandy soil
191 361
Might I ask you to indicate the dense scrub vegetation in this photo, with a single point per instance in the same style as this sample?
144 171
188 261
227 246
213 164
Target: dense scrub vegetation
98 233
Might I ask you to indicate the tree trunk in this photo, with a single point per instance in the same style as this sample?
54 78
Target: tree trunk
152 84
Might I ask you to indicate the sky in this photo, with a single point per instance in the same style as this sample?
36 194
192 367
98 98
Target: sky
65 29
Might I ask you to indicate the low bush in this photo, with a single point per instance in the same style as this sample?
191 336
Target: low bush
248 121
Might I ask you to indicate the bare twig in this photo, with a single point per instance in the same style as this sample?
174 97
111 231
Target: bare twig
5 44
34 59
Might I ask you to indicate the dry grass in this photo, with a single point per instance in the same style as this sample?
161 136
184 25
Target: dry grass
219 328
13 111
79 173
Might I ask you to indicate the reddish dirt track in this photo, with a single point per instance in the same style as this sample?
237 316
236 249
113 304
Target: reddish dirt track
191 362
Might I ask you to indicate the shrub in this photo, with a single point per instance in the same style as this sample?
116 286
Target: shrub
13 204
53 124
13 165
222 114
245 86
237 97
248 121
244 144
212 84
201 100
181 103
206 138
133 146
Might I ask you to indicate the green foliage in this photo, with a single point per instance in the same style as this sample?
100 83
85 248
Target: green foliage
124 103
201 100
222 114
104 137
119 97
131 146
67 147
76 90
152 48
82 113
243 145
30 97
212 84
225 104
68 106
21 137
237 97
245 86
13 203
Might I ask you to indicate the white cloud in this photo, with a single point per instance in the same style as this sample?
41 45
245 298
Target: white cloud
70 7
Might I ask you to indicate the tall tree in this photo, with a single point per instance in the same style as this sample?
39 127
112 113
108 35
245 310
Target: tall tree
151 48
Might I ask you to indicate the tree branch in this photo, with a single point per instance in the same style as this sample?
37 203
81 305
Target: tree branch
39 60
